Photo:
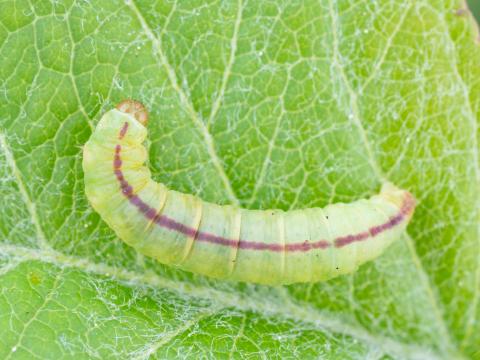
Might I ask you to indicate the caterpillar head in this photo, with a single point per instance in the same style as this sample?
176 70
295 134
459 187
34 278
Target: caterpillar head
134 108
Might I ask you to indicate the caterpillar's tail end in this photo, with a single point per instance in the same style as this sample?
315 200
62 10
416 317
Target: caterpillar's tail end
134 108
402 198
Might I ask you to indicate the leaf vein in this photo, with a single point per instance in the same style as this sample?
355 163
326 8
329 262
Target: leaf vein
29 203
207 137
285 308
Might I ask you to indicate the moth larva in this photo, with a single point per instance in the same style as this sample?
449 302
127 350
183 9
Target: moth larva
259 246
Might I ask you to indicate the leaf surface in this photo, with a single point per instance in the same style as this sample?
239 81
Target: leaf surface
264 104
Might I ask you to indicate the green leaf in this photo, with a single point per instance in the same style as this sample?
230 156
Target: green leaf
266 104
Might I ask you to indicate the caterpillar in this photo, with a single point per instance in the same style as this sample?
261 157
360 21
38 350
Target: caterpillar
271 247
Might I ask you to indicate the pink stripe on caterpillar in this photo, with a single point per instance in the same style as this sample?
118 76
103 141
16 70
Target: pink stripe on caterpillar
123 131
171 224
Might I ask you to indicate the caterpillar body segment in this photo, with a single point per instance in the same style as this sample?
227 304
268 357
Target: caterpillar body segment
260 246
217 223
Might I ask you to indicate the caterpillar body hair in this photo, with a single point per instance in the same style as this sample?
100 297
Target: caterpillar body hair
260 246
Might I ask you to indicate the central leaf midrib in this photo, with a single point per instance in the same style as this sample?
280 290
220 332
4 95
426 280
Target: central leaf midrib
207 137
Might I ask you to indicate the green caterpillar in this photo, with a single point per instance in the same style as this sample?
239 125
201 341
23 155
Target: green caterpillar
259 246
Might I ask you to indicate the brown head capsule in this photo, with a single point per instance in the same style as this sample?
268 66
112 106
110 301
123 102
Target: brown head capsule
136 109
